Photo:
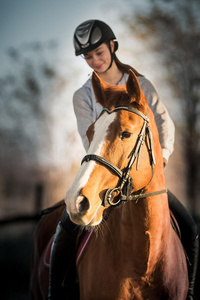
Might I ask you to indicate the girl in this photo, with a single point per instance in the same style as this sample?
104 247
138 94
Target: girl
97 43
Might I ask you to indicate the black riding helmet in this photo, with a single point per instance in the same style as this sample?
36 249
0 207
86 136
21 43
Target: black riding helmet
90 35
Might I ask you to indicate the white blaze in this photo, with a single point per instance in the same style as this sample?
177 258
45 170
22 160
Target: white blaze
83 175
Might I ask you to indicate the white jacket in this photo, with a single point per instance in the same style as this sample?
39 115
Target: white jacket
87 111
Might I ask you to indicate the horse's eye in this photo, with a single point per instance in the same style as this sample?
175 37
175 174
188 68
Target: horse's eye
125 135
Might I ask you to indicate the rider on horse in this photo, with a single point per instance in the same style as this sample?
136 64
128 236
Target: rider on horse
97 43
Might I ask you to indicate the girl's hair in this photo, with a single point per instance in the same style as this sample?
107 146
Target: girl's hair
125 68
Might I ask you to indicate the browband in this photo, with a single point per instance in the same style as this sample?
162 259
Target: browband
130 109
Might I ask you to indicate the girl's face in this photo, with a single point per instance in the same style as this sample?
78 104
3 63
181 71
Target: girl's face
99 59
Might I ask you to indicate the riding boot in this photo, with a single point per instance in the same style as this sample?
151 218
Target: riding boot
62 254
193 254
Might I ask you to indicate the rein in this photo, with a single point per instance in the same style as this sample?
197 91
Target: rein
125 187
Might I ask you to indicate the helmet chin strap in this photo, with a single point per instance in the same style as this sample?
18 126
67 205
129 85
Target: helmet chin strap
112 58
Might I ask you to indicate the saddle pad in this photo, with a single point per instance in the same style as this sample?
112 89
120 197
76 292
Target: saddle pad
83 244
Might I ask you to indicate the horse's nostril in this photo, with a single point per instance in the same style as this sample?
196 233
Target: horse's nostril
83 204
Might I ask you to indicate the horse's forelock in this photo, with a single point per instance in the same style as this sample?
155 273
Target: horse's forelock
117 96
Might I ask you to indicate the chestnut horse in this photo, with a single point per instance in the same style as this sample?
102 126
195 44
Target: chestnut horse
135 253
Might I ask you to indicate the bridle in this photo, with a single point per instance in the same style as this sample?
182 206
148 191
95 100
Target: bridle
125 187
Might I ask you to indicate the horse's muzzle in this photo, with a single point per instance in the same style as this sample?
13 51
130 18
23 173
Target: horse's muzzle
82 205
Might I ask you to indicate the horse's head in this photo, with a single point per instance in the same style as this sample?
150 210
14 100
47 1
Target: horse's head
116 140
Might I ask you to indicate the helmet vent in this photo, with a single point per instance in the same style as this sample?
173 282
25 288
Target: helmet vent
96 35
83 32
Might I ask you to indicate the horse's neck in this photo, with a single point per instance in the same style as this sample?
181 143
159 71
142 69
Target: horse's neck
143 227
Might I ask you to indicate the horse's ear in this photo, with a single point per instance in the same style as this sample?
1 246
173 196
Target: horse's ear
99 89
133 88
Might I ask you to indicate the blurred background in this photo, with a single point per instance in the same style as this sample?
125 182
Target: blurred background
40 150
